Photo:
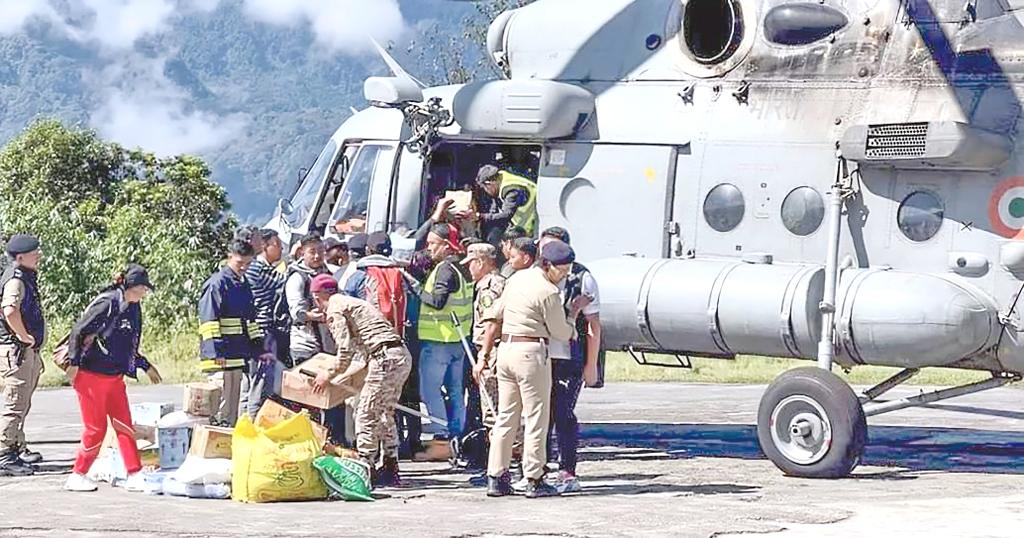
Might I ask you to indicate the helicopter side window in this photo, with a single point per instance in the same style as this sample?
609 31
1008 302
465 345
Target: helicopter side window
712 29
802 211
349 214
724 207
920 216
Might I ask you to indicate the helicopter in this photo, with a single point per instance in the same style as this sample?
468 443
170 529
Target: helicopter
829 180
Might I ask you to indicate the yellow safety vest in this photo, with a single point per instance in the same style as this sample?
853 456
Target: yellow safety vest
526 214
436 325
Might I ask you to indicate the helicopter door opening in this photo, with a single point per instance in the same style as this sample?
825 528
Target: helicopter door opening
352 188
453 167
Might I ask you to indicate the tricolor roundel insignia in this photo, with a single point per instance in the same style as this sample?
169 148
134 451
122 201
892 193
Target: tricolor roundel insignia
1006 208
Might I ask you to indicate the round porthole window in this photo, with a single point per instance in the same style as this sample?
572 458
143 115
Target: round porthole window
920 216
712 29
723 207
802 211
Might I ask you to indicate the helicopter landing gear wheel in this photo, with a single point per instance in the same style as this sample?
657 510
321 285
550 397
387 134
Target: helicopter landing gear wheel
810 424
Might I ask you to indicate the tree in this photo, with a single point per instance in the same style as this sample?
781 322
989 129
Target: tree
461 57
97 207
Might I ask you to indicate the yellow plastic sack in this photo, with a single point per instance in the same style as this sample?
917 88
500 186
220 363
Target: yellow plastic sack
276 463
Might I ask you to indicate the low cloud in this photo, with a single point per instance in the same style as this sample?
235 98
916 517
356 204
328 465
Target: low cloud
339 25
140 107
14 14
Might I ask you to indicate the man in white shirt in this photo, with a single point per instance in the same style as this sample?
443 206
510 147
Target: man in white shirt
573 362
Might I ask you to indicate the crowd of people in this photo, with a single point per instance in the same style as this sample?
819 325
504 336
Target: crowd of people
492 327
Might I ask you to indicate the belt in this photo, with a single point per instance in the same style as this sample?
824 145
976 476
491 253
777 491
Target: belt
514 338
388 345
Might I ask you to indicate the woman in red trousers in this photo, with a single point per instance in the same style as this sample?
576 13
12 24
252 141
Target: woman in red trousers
103 348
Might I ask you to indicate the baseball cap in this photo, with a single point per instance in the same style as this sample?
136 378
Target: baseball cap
334 242
480 251
557 253
488 172
321 283
357 243
379 243
136 275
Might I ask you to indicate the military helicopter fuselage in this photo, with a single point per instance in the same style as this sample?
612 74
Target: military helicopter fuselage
831 180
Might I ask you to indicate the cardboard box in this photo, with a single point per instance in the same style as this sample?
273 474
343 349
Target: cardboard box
202 399
174 445
463 201
149 413
272 413
211 442
297 385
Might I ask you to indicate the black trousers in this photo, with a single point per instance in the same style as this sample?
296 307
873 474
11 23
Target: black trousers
566 383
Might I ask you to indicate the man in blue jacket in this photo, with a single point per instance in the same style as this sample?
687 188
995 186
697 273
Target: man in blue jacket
230 336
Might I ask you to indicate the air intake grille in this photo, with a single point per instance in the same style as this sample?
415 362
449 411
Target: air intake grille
896 140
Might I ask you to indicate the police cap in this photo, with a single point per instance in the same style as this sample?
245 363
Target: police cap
22 244
557 253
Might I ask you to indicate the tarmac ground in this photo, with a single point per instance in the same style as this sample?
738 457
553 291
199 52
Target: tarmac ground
658 460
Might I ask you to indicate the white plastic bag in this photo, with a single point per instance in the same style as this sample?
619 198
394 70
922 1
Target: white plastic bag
201 471
181 419
196 491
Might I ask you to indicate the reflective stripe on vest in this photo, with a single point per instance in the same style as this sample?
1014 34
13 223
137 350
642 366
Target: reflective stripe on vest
435 325
526 214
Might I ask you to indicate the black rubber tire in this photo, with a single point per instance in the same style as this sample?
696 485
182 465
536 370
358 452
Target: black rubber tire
844 411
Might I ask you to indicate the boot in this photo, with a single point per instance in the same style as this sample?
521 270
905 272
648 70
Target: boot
537 488
436 450
387 475
499 486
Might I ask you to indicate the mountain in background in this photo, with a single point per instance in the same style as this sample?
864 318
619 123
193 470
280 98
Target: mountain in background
216 78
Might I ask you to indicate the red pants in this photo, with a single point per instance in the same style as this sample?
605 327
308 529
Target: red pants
101 396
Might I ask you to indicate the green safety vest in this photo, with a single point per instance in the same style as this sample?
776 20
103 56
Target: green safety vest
526 214
436 325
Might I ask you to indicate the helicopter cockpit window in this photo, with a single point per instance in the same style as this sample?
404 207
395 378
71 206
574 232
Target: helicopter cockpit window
349 214
920 216
802 211
724 207
712 29
305 198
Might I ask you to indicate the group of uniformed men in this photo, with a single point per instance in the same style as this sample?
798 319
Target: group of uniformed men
533 313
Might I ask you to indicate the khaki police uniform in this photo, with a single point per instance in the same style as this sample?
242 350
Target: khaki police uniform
531 313
21 367
485 311
359 329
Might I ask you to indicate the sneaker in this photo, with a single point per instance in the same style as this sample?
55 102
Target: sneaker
29 456
79 483
11 465
568 483
478 481
498 487
519 486
135 482
539 488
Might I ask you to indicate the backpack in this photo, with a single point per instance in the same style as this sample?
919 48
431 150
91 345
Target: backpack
62 351
280 314
391 299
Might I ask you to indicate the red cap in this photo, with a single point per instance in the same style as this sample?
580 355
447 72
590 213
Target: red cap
322 283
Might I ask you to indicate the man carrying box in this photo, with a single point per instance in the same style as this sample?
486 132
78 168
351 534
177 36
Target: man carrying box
361 330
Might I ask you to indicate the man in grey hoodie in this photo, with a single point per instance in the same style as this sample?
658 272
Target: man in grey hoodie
308 334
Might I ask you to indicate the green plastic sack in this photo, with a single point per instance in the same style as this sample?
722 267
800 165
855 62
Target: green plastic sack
347 477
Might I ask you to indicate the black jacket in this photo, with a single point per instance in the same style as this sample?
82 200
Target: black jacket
115 326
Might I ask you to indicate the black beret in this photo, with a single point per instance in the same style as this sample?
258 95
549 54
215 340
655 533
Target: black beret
557 253
22 244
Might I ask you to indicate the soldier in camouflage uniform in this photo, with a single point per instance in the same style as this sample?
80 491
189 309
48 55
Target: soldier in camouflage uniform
360 330
483 265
